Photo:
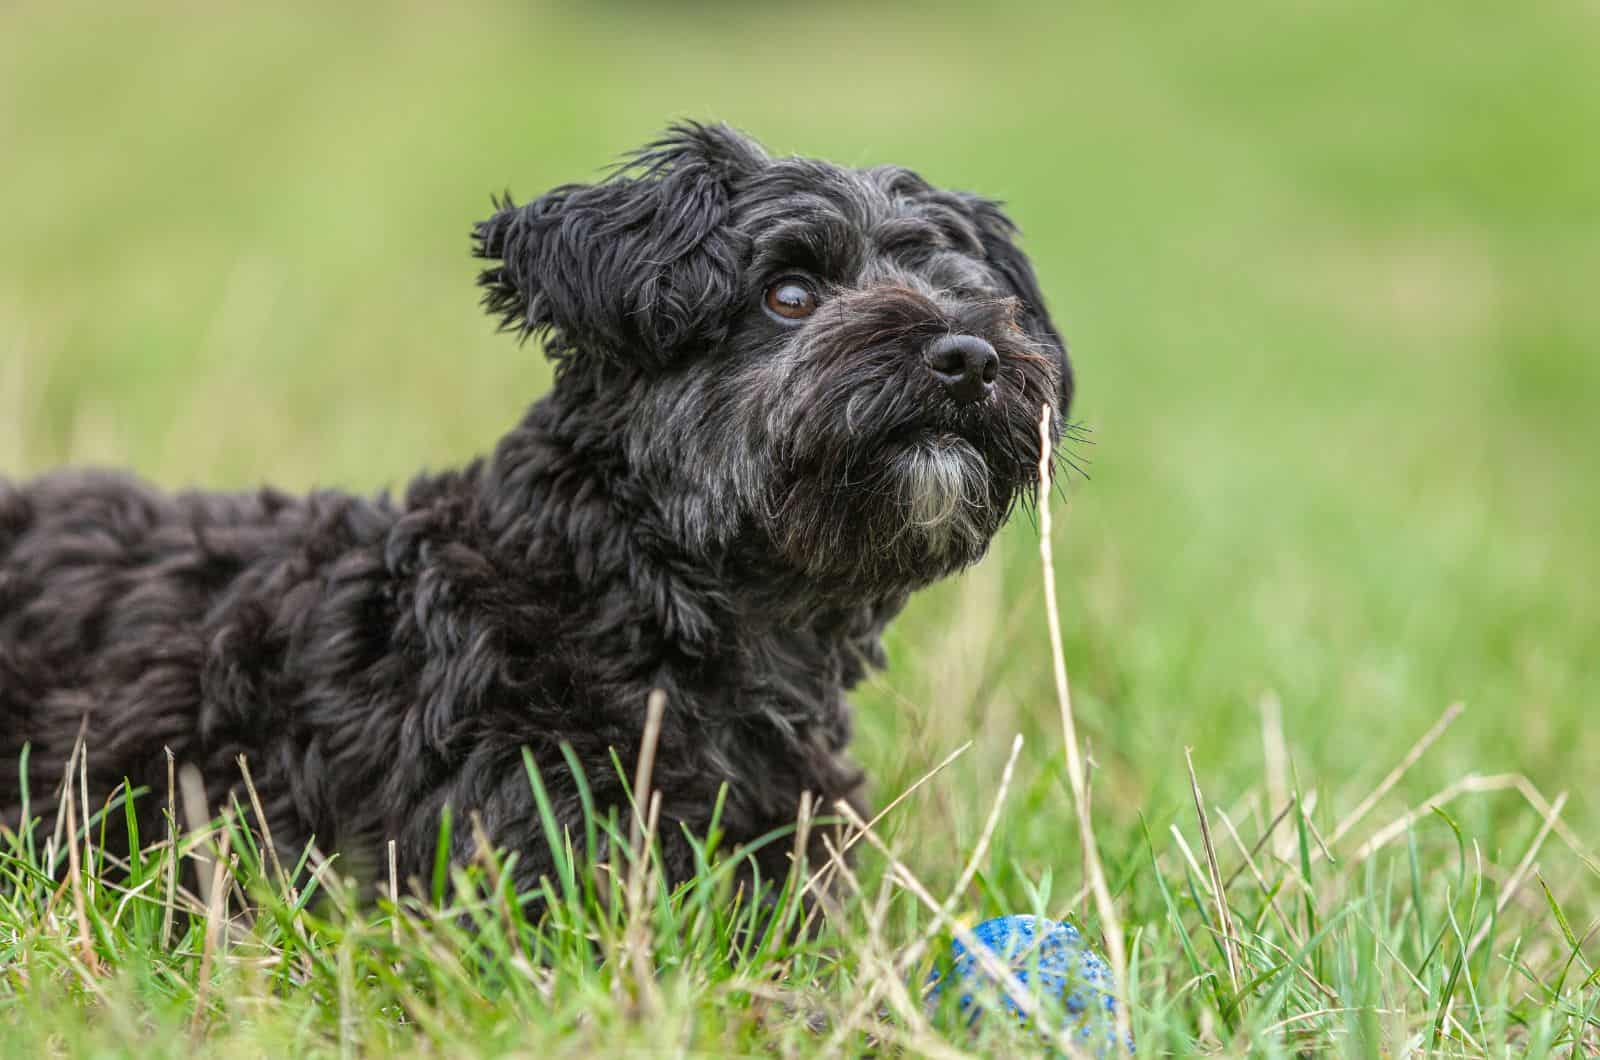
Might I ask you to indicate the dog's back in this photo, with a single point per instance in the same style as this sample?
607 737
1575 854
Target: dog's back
116 600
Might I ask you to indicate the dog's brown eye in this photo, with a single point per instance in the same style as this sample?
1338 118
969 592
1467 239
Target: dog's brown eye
791 300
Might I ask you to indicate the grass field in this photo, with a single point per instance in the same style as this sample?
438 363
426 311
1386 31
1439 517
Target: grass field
1328 275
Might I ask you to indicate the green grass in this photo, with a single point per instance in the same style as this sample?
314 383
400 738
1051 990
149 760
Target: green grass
1327 273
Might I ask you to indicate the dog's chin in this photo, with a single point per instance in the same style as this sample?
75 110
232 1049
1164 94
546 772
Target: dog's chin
942 493
922 508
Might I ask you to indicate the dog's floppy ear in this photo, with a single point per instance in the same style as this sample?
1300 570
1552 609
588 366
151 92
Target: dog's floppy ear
643 264
998 234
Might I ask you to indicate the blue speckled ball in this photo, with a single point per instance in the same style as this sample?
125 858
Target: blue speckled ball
1065 965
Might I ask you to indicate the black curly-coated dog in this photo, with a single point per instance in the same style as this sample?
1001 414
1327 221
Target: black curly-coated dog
787 395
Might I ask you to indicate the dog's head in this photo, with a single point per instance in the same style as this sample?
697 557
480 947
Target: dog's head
844 367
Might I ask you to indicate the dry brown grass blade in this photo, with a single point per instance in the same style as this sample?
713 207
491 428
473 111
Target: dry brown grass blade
1418 749
655 708
803 821
873 953
216 911
1188 855
1521 872
69 800
1271 894
980 851
1474 783
1267 891
53 845
394 894
642 835
1230 941
83 804
638 944
1110 923
1265 837
1323 849
1275 752
850 841
197 818
266 832
992 965
172 850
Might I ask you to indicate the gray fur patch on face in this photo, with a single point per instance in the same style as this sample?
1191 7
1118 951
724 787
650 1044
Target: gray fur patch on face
943 487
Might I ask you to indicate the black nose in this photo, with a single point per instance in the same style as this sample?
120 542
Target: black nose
964 365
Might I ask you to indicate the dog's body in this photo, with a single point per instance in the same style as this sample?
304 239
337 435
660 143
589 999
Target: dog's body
788 394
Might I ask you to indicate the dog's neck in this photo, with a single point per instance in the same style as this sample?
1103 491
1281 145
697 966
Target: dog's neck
559 488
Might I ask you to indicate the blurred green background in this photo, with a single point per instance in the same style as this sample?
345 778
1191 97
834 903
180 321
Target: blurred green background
1327 269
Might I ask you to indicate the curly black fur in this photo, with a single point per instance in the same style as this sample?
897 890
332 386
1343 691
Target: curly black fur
711 501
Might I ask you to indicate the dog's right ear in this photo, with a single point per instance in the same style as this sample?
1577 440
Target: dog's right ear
643 265
998 234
